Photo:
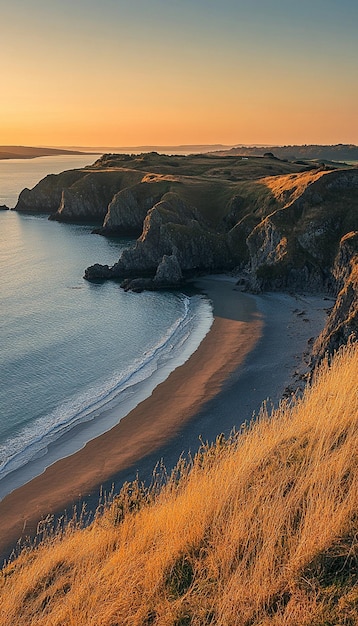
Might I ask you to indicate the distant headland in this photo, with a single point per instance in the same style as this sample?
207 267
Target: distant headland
337 152
29 152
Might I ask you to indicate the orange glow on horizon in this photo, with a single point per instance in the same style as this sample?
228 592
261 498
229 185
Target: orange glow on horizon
140 78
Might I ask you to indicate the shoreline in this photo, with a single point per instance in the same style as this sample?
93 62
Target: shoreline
200 397
107 411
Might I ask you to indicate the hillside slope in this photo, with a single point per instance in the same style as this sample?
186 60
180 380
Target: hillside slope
258 530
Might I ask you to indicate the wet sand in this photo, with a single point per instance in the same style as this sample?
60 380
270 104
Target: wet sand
250 353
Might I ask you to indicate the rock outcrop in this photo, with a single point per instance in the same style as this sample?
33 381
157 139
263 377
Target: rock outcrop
3 207
175 240
294 248
168 276
168 271
45 197
342 324
88 198
129 207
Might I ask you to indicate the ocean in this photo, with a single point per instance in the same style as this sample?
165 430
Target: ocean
75 356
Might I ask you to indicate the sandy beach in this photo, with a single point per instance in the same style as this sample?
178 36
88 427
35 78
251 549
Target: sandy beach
251 353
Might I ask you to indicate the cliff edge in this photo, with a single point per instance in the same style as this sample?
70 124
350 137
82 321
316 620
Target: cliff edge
276 224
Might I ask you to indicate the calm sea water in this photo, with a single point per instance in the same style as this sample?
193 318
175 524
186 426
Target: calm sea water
75 356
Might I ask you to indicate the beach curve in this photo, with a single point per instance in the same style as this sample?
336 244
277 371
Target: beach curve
157 423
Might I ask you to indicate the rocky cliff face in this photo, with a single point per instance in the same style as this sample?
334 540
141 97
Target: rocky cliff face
294 247
284 225
172 230
88 198
128 208
167 276
81 196
45 197
288 227
342 323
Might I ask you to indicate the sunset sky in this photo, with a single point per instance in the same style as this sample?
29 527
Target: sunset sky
137 72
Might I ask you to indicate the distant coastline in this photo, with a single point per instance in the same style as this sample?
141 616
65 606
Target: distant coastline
338 152
29 152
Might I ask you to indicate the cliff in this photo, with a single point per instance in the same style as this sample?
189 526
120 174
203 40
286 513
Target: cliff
185 208
288 232
283 230
278 225
342 324
45 197
128 208
87 199
70 198
295 246
172 229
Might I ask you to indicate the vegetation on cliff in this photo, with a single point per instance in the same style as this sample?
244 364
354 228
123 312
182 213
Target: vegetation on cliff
277 224
281 222
257 530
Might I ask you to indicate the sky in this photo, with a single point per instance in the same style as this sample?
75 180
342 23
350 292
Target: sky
169 72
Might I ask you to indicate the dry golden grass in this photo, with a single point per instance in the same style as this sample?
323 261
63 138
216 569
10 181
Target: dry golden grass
258 530
289 187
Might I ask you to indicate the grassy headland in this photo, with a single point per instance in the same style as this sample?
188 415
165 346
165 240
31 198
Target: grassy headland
260 529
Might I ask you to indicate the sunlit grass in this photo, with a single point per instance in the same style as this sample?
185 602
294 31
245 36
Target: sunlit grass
258 530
